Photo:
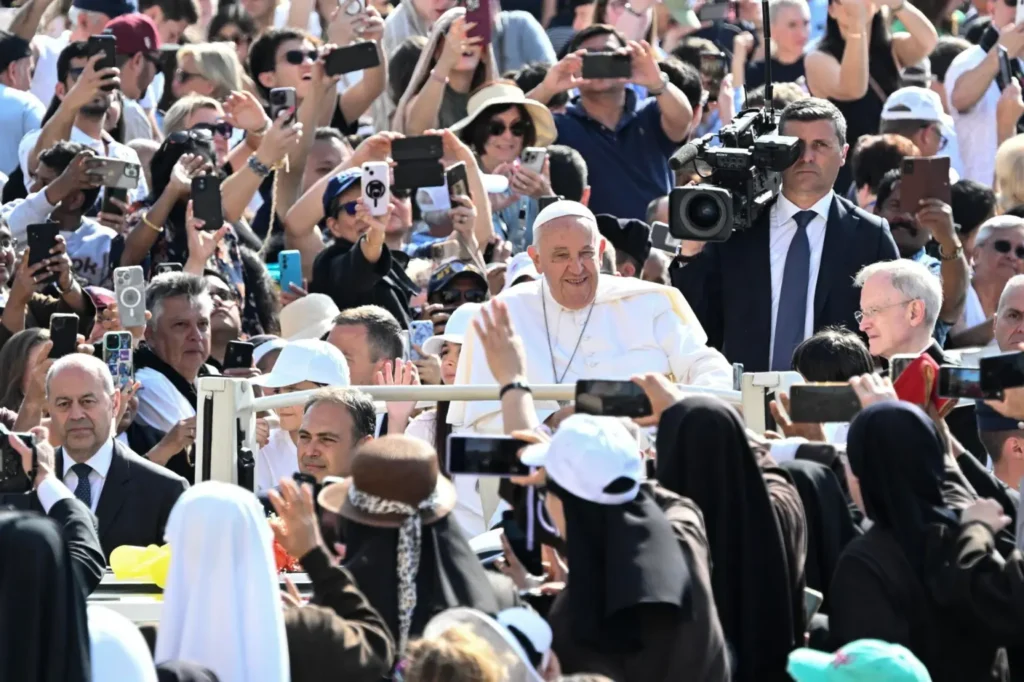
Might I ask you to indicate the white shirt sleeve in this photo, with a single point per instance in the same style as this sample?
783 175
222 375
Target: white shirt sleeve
51 491
692 361
35 209
25 147
161 406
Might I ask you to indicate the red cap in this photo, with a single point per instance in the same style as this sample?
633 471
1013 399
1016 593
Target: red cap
135 33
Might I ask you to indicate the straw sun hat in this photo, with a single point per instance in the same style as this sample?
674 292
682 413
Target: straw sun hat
507 93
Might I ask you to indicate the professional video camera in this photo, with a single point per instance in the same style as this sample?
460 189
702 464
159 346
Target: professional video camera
745 171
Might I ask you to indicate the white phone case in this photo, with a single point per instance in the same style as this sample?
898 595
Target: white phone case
533 158
376 184
130 292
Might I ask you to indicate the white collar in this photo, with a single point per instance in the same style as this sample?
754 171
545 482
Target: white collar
787 209
82 137
100 461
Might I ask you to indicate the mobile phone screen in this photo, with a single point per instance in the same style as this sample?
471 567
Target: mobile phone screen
485 456
612 399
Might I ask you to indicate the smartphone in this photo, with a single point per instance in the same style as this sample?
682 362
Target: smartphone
115 172
445 250
353 8
612 399
1005 370
63 334
417 148
534 157
457 180
714 66
238 355
812 602
119 193
1005 74
106 45
167 267
130 293
290 269
282 99
352 58
923 177
713 11
117 353
41 238
376 186
607 65
13 477
206 202
412 175
419 332
485 456
821 403
544 202
964 382
479 12
898 364
663 240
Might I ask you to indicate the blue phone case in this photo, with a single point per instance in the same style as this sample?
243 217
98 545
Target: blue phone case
290 263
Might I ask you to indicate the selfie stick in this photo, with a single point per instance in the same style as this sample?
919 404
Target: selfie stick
766 21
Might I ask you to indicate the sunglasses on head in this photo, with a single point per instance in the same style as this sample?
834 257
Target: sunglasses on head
222 128
455 296
519 128
296 57
1003 246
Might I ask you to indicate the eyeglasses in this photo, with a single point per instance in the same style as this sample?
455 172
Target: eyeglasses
519 128
1003 246
152 59
186 76
201 135
222 128
456 296
237 39
75 73
296 57
861 315
224 295
8 243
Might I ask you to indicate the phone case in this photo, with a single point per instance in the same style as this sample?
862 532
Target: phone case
130 292
290 264
352 58
119 193
106 44
458 181
534 157
924 178
821 403
281 99
419 332
479 12
238 355
606 65
63 334
117 173
117 353
206 202
41 238
168 267
419 174
419 148
918 381
376 189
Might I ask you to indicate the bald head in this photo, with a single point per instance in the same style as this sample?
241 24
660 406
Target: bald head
1009 323
86 364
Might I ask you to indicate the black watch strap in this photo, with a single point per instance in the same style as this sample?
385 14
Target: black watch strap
514 386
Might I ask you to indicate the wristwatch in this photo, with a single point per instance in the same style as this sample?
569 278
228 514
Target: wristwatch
957 252
664 84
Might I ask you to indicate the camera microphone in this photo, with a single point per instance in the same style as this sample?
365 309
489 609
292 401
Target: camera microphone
687 153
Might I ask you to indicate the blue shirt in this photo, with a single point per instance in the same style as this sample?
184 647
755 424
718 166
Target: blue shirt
628 166
515 223
934 266
21 113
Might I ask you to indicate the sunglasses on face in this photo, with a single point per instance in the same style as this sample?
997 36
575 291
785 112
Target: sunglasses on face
183 136
222 128
518 129
224 295
186 76
1003 246
237 39
349 208
455 296
296 57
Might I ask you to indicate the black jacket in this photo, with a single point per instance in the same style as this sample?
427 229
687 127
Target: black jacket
729 284
78 526
343 273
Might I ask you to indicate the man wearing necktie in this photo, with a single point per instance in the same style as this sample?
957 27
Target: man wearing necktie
766 289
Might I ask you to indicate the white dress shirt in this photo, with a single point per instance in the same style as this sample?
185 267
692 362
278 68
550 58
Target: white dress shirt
783 228
278 459
100 464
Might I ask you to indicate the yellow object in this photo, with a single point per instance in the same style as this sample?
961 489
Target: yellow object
141 563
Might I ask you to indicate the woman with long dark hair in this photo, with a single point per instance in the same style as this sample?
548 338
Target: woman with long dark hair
857 63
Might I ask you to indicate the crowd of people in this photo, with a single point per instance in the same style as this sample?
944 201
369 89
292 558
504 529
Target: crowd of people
524 239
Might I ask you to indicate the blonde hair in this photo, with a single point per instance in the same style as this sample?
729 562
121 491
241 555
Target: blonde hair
218 63
457 655
176 118
1010 173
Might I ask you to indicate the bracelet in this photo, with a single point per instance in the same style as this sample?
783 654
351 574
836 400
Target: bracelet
957 252
258 167
443 80
147 223
514 386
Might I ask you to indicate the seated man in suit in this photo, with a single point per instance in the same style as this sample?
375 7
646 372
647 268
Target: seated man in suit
766 289
131 496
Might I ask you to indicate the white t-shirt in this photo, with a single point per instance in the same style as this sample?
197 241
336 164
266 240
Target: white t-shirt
44 80
281 18
972 316
278 459
976 128
20 113
89 248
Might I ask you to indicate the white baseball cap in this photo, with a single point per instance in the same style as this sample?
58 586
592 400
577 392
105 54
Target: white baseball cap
454 330
309 317
587 454
521 265
531 631
913 103
307 360
506 646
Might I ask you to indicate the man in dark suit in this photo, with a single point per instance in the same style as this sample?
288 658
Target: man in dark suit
130 496
766 289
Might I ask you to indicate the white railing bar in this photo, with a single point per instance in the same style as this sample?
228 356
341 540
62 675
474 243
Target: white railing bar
466 393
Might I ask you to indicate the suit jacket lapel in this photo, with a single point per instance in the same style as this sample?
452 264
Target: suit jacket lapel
115 489
838 229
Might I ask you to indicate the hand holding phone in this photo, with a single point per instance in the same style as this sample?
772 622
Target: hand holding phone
63 334
238 355
282 99
485 456
924 178
612 399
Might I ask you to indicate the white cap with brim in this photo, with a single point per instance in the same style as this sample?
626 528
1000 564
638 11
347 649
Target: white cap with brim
501 640
307 360
913 103
520 266
454 330
531 631
587 454
309 317
267 347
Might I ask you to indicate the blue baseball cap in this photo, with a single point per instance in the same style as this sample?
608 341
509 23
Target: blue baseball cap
866 660
440 278
338 185
990 420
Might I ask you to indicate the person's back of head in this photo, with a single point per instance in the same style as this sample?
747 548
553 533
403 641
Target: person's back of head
530 76
872 158
457 655
783 94
402 64
833 354
569 173
686 78
946 50
973 203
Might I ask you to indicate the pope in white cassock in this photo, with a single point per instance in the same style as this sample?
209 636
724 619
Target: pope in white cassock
578 324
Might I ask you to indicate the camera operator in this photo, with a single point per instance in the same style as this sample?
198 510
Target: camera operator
766 289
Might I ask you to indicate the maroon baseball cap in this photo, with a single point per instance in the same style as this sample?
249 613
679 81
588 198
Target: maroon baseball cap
135 33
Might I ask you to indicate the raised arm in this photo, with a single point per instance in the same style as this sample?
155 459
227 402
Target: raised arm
847 80
422 110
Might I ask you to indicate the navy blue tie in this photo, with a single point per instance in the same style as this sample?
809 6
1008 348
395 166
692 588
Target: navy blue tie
792 315
83 491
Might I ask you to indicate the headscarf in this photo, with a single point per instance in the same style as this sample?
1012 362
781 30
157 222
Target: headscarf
624 560
449 573
118 650
422 71
829 522
896 452
222 604
44 636
703 454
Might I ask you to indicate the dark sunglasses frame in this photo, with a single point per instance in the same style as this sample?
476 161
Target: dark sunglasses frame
201 135
1004 246
296 57
519 129
451 296
221 127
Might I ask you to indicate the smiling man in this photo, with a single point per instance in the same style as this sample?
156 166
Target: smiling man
578 324
768 288
335 422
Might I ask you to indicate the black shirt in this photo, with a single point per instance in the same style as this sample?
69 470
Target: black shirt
781 73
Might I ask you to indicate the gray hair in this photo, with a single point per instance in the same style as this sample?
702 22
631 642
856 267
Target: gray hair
814 109
86 363
913 280
359 405
775 6
172 285
997 224
1015 282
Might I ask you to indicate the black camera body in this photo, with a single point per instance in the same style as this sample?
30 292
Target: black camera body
745 177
